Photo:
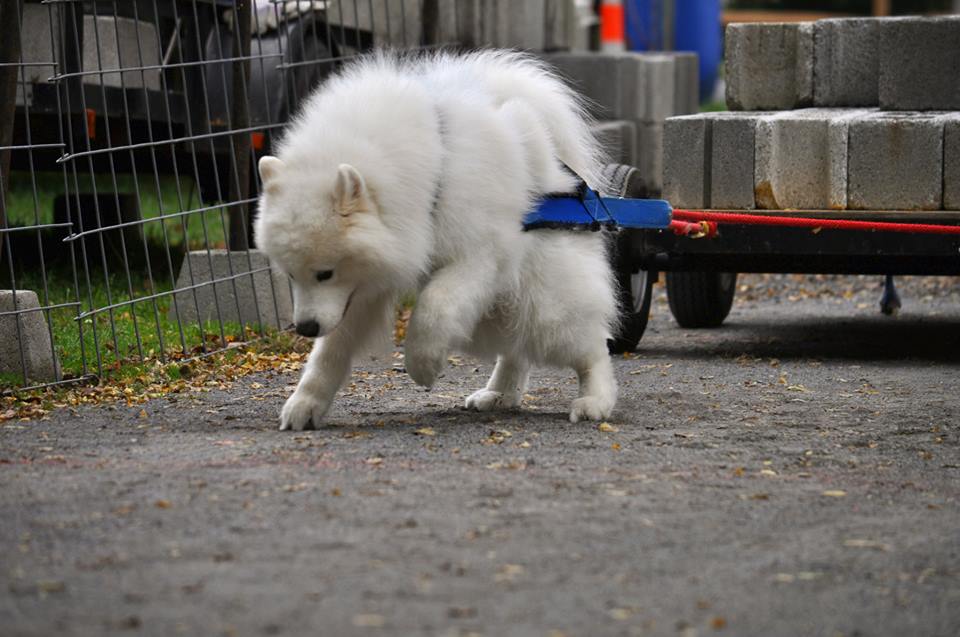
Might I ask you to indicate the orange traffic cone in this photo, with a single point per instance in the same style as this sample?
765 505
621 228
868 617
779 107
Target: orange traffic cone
612 28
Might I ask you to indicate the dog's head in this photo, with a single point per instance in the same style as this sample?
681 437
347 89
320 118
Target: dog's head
321 230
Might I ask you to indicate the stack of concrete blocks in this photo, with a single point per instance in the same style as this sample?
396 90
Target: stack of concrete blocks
532 24
109 43
232 287
23 327
840 114
631 95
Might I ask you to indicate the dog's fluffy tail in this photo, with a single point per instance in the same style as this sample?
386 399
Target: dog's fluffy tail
515 75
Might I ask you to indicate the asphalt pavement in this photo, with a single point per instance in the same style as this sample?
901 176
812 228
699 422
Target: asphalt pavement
796 472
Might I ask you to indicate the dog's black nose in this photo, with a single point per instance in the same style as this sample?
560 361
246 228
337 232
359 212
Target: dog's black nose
308 328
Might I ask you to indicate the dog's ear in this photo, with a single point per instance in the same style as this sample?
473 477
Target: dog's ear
270 168
350 190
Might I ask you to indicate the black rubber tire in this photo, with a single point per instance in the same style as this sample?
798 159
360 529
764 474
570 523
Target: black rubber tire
634 287
701 299
635 294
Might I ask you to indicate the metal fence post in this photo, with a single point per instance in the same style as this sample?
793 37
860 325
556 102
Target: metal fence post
240 226
10 11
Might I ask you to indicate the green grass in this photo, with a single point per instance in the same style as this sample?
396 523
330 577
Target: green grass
118 341
127 338
31 202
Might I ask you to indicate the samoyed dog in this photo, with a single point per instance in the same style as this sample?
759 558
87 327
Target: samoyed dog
413 174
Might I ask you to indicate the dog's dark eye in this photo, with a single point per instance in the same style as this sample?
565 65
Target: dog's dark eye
324 275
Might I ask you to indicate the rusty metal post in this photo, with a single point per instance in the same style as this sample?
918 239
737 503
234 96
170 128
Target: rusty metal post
881 7
240 223
10 12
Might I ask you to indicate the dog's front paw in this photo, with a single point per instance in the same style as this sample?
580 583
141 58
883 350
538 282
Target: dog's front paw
301 412
488 400
590 408
424 364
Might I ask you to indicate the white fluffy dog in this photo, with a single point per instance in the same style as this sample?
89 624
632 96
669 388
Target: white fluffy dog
413 174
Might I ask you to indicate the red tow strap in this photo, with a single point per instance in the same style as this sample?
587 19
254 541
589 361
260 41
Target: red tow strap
703 223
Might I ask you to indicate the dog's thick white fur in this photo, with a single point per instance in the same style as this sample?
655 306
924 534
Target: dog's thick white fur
407 174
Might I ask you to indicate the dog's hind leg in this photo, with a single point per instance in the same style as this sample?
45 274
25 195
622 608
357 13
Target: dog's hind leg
329 364
504 389
598 388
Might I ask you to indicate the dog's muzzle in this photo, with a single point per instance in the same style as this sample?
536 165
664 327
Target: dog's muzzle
310 329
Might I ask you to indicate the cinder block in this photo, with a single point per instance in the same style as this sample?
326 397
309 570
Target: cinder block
530 25
709 160
114 43
896 161
801 159
658 101
686 94
686 153
642 87
951 165
619 140
920 63
393 23
33 335
222 280
769 66
614 83
650 157
846 62
732 161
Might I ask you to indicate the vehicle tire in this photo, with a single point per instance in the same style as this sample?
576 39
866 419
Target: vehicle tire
634 286
635 294
700 299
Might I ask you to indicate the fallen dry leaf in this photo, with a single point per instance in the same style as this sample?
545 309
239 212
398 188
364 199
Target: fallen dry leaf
607 428
834 493
369 620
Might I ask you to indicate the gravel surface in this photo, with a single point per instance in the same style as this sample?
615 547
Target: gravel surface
796 472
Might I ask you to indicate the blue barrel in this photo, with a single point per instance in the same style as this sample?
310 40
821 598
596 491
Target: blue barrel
696 27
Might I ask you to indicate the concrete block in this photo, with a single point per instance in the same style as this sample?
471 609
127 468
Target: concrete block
36 44
614 84
846 62
221 278
33 334
659 99
801 159
619 140
115 43
732 161
686 155
920 63
686 94
769 66
392 23
951 165
491 23
643 87
709 160
650 157
896 161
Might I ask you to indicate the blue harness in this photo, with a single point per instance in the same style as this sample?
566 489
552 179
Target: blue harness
586 209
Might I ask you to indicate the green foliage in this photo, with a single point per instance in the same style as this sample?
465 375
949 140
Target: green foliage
137 333
31 202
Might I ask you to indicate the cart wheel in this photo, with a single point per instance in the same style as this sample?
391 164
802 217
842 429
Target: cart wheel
636 291
635 288
700 299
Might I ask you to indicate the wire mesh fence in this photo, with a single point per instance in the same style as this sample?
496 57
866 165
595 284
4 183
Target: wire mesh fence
128 135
